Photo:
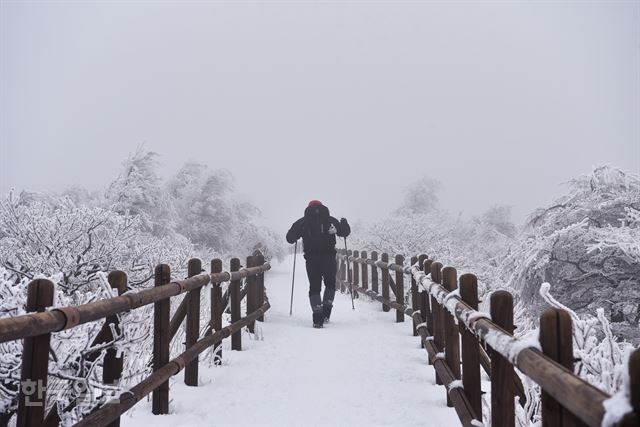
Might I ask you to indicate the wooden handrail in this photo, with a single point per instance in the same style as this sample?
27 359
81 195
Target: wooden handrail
36 328
57 319
577 396
570 390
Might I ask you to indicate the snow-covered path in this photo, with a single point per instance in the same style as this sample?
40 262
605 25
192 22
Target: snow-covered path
361 369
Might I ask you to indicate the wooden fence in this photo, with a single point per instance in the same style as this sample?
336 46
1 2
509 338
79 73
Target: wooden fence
36 329
457 352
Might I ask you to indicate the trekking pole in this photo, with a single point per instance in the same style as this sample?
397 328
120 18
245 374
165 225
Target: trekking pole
346 251
293 278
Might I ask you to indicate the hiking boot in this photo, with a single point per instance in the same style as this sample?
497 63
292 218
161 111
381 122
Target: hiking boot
318 319
326 312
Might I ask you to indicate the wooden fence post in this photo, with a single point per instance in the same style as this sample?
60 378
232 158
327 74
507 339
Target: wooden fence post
347 285
470 347
437 315
339 267
423 300
421 260
556 340
385 281
234 293
251 292
192 332
216 309
634 380
415 304
343 273
161 340
356 273
260 285
452 338
35 360
399 288
502 374
112 365
374 272
365 270
632 419
428 310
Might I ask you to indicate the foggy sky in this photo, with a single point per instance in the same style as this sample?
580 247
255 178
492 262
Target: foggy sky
342 102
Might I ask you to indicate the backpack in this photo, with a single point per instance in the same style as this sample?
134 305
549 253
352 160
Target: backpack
316 233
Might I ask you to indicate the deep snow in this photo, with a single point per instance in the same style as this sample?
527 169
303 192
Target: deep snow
361 369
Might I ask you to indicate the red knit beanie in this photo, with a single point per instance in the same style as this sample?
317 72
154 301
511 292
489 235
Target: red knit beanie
314 203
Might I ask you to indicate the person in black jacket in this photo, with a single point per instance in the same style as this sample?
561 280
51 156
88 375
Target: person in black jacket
318 230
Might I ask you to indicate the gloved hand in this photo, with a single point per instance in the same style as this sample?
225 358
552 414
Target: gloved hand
332 229
343 221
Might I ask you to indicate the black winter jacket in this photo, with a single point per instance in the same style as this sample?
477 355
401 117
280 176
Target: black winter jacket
318 230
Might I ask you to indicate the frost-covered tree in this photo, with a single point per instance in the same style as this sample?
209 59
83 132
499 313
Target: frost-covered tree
207 213
408 234
475 245
417 225
80 196
496 222
269 243
56 236
586 243
421 197
138 191
77 237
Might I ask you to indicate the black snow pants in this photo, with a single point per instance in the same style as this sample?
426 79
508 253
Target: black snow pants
321 267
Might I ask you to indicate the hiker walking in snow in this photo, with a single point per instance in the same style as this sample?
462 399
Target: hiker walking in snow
318 230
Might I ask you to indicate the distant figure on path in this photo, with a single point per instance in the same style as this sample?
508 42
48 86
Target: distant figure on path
318 230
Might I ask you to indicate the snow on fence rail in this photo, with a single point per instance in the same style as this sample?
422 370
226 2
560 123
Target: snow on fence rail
437 302
36 328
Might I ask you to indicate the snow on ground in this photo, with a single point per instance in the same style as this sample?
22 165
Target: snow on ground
361 369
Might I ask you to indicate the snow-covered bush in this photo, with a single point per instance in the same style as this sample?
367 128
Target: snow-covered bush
68 364
587 243
601 358
207 214
600 354
56 236
13 298
77 237
477 245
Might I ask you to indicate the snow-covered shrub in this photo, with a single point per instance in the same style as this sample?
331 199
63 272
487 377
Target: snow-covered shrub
477 245
38 237
13 298
207 214
601 358
77 237
68 362
587 243
600 354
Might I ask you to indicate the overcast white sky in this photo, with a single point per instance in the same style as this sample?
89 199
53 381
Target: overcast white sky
343 101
